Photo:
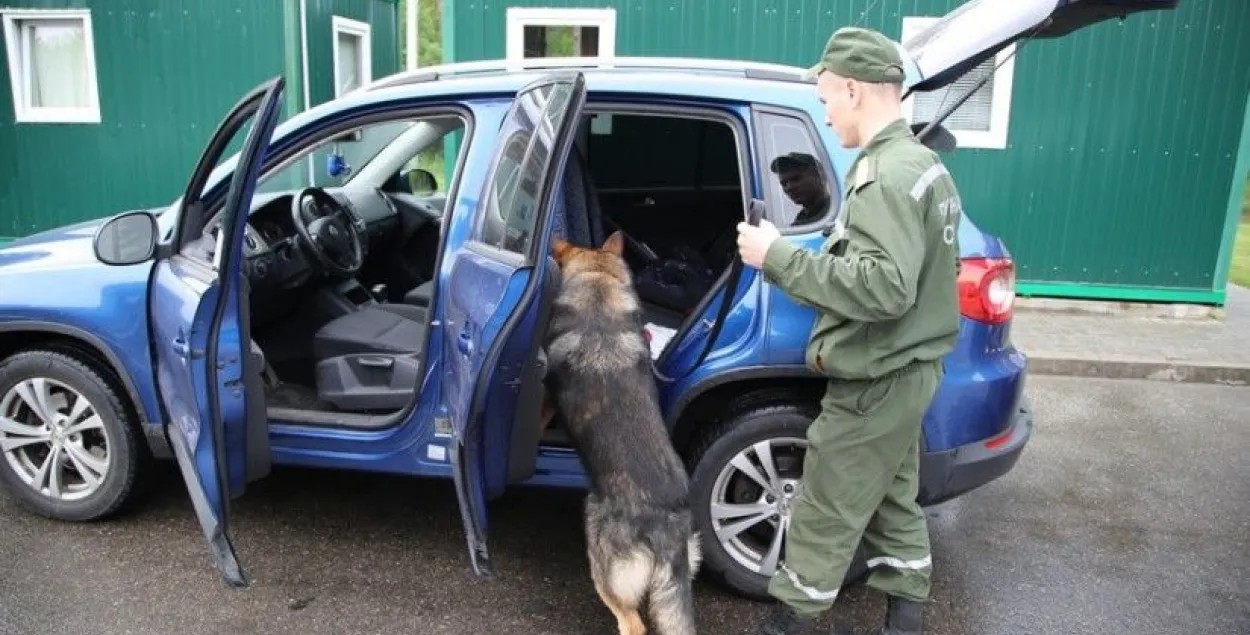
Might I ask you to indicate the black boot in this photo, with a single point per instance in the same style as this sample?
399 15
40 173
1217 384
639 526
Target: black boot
902 617
782 620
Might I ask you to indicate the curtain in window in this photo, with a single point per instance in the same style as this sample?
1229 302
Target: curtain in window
56 54
349 62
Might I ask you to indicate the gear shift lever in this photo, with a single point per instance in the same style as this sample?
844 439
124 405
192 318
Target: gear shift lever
379 292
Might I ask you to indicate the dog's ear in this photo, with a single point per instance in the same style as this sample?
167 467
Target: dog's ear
560 249
615 244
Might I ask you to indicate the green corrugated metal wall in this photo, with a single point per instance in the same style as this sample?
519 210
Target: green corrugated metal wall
167 73
1123 141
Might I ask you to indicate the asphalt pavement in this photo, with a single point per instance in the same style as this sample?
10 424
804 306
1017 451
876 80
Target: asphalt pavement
1129 513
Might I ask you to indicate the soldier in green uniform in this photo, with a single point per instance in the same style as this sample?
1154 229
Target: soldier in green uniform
884 288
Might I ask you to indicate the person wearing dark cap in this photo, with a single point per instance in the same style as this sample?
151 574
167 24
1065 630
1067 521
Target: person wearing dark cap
801 179
884 288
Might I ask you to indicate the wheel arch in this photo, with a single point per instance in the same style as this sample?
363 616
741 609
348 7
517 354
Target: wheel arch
27 334
740 389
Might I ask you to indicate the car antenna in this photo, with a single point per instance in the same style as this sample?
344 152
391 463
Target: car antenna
943 113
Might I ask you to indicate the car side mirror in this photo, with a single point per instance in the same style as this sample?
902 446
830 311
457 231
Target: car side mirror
126 239
420 181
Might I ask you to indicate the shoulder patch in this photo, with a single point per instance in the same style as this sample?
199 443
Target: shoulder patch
865 173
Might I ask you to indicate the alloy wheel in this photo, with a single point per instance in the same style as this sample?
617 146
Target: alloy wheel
752 501
54 439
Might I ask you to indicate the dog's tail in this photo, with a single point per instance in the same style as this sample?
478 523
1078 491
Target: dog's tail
671 601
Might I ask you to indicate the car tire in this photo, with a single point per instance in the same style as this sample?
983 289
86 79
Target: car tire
65 377
782 428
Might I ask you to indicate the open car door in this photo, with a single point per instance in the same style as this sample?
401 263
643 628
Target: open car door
979 29
206 368
498 291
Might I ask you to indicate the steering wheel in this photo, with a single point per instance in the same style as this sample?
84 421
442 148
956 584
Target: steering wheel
328 230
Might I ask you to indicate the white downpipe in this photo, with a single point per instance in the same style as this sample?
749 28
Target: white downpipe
303 45
411 22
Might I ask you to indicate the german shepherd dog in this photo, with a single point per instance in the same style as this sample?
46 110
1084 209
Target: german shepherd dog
639 527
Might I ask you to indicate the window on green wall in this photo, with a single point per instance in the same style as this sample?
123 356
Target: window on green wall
559 32
52 70
353 54
561 41
982 120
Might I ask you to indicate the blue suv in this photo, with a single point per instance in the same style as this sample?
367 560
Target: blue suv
319 299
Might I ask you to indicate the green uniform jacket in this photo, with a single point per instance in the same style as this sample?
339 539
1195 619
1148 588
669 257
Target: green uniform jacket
884 280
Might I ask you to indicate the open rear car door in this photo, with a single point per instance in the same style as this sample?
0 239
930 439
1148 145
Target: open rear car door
979 29
498 291
206 369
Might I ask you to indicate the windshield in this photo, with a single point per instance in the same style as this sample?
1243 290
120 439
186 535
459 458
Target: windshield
356 150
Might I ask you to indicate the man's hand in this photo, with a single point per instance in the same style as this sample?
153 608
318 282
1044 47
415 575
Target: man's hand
753 242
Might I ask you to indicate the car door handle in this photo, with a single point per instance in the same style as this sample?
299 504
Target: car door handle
464 342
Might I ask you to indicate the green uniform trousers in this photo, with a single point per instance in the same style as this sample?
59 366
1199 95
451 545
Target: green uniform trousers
860 480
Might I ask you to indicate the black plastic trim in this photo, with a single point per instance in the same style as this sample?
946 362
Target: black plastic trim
948 474
526 435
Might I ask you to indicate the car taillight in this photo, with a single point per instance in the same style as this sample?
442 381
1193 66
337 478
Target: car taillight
987 289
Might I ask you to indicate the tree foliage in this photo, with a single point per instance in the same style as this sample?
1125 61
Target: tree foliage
429 32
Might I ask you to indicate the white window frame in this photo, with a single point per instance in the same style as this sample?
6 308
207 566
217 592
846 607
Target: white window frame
23 112
362 30
1000 98
520 17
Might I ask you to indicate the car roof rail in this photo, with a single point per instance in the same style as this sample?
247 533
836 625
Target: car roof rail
745 68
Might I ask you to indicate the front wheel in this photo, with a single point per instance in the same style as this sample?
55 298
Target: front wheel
69 448
747 472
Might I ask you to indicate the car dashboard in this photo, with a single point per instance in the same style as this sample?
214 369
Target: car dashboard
273 257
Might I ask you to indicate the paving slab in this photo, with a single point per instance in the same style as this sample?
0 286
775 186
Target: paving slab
1129 344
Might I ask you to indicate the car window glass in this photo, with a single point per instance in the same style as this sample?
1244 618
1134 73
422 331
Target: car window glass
509 217
796 181
681 152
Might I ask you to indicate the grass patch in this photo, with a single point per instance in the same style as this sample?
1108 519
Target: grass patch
1239 274
1239 271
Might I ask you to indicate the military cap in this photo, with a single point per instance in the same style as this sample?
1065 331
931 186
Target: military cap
861 54
792 160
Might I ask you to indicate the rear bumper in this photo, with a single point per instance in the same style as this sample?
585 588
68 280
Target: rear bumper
952 473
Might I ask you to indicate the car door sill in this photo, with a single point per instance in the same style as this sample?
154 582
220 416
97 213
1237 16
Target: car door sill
347 420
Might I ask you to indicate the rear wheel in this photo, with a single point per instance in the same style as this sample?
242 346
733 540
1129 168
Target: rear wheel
69 448
747 471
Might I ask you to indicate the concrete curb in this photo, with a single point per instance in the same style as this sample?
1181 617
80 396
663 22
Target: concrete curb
1185 312
1156 370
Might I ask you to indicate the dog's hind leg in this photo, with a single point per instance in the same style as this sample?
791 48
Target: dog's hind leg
621 586
628 619
621 581
671 600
